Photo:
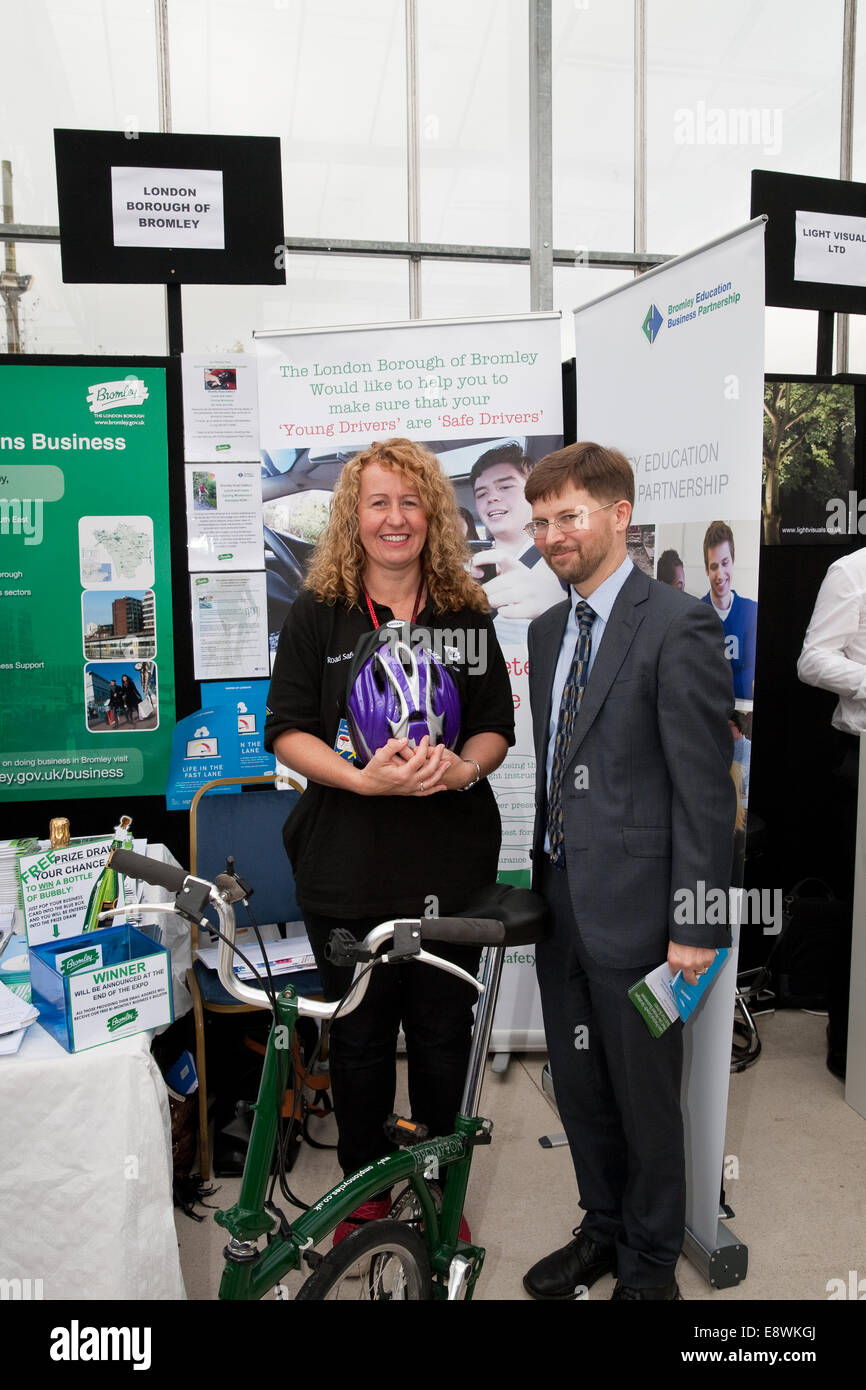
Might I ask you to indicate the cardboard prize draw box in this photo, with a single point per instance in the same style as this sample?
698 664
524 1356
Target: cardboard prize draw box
93 988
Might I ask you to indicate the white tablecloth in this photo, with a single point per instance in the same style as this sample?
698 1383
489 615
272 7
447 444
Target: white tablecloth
86 1172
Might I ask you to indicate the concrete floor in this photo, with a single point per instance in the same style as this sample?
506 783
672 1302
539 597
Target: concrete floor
799 1197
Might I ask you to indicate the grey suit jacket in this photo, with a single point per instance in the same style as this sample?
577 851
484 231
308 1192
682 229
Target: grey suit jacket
648 799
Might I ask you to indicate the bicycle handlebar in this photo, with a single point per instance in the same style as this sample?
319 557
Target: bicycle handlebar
151 870
469 931
472 931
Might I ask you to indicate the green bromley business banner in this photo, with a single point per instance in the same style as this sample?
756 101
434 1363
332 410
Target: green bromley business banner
86 658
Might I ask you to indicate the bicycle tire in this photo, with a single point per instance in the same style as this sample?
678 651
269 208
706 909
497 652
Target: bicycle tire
384 1261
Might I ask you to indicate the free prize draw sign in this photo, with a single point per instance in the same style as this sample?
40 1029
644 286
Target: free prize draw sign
86 660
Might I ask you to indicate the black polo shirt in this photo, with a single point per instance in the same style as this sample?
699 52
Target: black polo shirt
356 856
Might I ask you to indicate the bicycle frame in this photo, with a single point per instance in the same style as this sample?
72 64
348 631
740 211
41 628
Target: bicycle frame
250 1270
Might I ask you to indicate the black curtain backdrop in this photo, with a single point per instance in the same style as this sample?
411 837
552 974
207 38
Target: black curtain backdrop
791 786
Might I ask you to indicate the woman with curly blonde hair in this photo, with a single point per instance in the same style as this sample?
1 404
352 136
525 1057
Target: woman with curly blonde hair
413 827
339 560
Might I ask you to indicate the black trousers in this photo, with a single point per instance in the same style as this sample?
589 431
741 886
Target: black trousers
435 1010
618 1094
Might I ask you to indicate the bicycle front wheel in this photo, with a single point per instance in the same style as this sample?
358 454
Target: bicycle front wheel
384 1260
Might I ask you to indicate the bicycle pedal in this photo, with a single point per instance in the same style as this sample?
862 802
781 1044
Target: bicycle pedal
405 1132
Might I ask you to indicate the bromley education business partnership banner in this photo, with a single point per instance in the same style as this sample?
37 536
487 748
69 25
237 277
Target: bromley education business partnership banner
86 654
678 387
466 389
670 369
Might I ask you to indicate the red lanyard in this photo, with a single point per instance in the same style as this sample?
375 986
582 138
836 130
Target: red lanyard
372 611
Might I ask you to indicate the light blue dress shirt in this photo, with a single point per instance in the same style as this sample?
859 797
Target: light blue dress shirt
601 601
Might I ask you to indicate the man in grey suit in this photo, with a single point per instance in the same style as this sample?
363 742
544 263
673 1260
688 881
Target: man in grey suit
630 694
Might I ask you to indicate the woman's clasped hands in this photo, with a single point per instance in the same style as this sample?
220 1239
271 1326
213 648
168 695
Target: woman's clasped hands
397 769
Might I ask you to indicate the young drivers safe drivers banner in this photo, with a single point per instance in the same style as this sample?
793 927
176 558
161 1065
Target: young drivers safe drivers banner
485 396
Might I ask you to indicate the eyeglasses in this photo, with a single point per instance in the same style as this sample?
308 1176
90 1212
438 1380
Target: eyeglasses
568 522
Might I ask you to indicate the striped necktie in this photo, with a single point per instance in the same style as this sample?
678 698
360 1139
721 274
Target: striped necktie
575 684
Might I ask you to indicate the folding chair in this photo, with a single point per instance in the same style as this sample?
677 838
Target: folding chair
248 826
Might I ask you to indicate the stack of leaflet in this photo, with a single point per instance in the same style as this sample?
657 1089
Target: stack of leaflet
16 1017
284 957
10 884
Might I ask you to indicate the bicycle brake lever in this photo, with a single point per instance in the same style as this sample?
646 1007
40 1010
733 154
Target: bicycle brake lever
407 941
247 889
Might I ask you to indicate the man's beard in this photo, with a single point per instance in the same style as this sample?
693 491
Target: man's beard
576 566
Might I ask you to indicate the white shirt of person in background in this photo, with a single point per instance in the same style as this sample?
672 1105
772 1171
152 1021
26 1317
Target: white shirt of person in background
834 649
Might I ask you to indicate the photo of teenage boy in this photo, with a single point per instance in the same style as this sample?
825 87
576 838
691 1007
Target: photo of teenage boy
522 587
738 615
670 570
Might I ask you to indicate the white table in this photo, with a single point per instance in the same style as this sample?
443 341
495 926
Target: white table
85 1156
86 1171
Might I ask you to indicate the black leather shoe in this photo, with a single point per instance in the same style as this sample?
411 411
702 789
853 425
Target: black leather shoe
624 1293
580 1263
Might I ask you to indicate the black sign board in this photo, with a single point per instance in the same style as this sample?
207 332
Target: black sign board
816 227
169 209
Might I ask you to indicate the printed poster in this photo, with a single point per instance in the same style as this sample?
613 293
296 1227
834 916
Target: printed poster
222 739
86 652
167 207
119 999
830 248
220 407
247 702
229 626
224 516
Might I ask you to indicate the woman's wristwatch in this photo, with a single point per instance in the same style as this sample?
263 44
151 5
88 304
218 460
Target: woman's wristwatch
476 778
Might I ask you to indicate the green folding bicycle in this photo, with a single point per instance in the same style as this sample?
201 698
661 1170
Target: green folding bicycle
419 1256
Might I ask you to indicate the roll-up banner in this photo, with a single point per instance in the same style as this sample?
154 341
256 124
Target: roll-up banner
485 396
86 656
670 370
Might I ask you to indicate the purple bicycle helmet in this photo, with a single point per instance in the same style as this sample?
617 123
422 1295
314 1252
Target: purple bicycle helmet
398 688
